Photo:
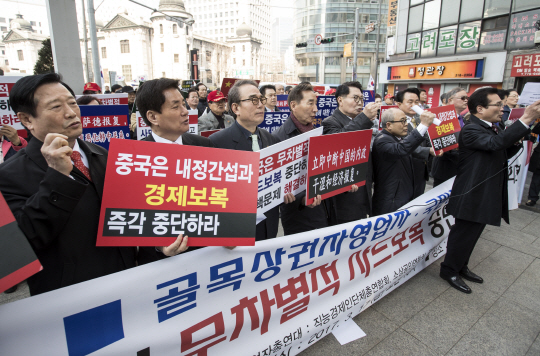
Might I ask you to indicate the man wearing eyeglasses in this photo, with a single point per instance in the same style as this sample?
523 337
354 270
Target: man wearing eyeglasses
393 172
351 115
480 191
445 167
247 103
269 92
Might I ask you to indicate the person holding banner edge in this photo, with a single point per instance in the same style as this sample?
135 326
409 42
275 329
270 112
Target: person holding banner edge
295 218
351 115
163 109
54 188
480 192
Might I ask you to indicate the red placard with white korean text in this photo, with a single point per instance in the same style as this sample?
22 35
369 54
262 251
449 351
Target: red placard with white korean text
444 137
7 115
228 83
155 191
383 109
516 114
335 162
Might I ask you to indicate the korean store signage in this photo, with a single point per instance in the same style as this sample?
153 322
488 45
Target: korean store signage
440 70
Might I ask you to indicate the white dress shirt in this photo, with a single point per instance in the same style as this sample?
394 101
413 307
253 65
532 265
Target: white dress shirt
164 140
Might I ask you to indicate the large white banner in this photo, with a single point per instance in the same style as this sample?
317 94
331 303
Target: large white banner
276 298
518 166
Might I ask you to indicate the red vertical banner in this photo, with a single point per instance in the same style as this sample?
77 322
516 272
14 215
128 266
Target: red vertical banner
335 162
155 191
444 137
433 92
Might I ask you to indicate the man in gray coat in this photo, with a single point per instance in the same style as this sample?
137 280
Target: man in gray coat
215 118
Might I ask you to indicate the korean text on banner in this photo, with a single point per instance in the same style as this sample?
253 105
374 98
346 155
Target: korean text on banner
283 169
326 105
335 162
276 298
274 120
382 110
110 99
143 130
193 121
282 103
444 136
7 115
18 260
101 123
155 191
369 96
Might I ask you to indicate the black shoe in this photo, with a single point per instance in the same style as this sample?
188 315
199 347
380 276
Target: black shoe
530 203
457 282
11 290
468 275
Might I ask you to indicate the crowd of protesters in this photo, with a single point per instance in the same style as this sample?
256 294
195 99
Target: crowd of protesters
53 182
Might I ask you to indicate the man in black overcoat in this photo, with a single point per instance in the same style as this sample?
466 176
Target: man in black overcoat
352 116
54 188
480 191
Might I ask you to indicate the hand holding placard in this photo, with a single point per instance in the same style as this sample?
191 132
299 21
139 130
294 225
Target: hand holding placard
417 109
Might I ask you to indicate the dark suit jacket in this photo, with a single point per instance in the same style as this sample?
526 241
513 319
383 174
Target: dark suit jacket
351 206
296 217
150 254
420 158
276 109
393 171
202 107
60 217
233 138
480 191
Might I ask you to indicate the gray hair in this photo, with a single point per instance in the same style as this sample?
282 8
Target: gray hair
234 93
453 92
387 116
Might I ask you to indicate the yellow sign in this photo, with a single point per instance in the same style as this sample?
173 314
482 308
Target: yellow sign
392 12
347 50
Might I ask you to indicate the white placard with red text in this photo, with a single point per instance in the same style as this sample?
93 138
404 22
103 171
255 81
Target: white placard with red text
144 130
7 115
276 298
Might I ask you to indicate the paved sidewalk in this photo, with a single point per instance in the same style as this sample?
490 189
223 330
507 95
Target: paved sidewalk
425 316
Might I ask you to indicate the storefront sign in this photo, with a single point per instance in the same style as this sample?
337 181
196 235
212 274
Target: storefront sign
436 71
468 37
526 65
522 29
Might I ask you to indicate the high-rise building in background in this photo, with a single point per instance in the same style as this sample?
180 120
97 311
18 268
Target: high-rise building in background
330 18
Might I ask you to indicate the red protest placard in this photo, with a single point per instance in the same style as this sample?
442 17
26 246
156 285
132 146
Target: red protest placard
207 133
155 191
516 114
443 137
319 89
228 83
335 162
383 109
18 259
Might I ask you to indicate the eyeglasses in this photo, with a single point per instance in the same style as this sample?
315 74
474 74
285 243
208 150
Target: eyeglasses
357 99
403 121
255 100
513 96
500 105
464 98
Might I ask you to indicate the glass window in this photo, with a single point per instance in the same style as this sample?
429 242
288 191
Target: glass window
525 4
451 12
174 29
126 71
429 43
331 61
413 42
492 40
103 52
20 54
176 58
496 7
432 11
415 13
447 40
498 23
468 37
471 10
416 2
124 46
332 78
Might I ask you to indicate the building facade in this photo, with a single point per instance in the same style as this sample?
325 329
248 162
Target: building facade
330 18
442 44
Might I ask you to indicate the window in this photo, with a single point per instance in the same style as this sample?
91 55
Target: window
20 54
471 10
124 46
415 13
498 23
332 61
162 47
7 62
525 4
176 58
243 48
3 28
450 11
496 7
175 29
126 70
160 29
432 11
103 52
234 60
2 19
32 23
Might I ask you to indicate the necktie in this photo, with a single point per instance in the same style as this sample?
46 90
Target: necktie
255 143
77 162
495 129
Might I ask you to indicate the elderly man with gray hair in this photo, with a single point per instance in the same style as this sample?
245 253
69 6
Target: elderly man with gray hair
445 167
392 161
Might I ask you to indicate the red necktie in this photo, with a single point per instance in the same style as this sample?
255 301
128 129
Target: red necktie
77 162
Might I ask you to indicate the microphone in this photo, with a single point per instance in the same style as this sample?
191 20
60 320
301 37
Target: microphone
417 109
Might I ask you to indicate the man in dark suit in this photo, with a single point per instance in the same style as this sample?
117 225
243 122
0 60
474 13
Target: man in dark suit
247 103
480 191
445 167
405 100
54 188
269 92
202 107
295 216
163 109
352 116
392 160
